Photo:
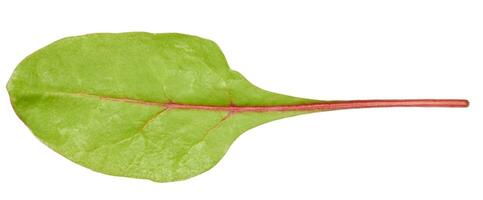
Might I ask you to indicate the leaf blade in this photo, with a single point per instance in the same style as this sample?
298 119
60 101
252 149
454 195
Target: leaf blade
99 100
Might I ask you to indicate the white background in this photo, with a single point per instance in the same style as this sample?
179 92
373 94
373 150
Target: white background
315 49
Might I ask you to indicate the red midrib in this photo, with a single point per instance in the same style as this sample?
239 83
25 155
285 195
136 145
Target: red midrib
327 105
332 105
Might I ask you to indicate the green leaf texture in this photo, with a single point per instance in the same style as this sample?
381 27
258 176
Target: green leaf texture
103 101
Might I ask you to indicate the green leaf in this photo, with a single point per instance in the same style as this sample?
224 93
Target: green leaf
163 107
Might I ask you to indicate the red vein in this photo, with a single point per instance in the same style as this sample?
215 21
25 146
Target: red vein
228 115
150 120
218 124
327 105
332 105
118 99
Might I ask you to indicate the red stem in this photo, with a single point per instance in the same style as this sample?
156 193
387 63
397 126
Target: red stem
332 105
323 105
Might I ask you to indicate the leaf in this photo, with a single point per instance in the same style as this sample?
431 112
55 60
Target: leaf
163 107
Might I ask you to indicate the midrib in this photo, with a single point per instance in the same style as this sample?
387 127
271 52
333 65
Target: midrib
327 105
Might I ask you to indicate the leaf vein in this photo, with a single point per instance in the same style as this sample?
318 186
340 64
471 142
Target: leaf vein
218 124
137 133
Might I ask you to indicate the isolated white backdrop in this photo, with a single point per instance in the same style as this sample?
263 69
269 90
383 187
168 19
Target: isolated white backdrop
315 49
